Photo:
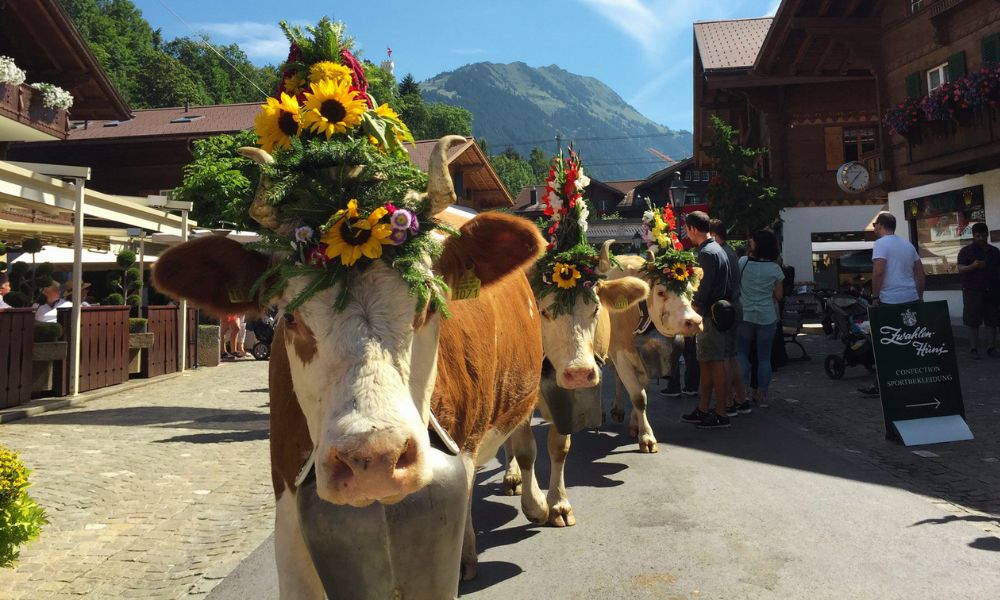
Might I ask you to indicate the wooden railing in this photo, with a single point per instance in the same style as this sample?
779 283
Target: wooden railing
162 357
17 331
104 353
22 103
952 147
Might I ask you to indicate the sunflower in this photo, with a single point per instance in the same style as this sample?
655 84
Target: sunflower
565 275
329 70
351 235
680 271
277 122
294 84
332 107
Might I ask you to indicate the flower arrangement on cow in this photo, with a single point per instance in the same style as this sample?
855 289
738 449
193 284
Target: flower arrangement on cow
658 228
669 264
401 351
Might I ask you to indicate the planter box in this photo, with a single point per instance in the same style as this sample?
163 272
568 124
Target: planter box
208 345
140 340
41 364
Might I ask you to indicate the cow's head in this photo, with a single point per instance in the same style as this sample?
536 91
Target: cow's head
363 356
575 300
669 292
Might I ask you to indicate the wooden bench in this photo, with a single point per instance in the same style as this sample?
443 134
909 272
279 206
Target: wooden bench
791 329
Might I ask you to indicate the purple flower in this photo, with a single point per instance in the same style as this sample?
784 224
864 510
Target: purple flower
303 234
401 219
414 224
398 236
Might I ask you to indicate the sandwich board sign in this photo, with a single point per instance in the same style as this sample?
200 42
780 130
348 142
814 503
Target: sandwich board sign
918 373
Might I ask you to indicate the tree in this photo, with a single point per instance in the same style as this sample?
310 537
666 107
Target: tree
227 79
736 196
381 85
444 119
539 162
409 86
220 182
513 171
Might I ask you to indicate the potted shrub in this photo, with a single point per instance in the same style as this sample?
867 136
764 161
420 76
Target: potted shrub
21 518
48 347
138 340
127 283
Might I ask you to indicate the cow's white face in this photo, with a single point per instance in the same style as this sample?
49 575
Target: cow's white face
672 313
571 341
364 377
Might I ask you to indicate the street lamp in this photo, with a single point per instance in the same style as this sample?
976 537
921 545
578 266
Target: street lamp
678 193
637 242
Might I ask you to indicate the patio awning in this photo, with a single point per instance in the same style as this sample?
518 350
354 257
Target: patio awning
243 237
64 256
95 238
842 246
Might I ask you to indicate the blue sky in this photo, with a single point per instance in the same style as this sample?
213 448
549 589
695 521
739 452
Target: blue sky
640 48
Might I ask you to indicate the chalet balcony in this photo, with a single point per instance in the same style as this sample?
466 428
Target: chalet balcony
968 144
24 119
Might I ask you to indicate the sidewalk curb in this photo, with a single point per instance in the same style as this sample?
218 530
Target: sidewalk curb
44 405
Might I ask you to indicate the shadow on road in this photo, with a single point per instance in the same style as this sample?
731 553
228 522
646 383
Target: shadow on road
490 573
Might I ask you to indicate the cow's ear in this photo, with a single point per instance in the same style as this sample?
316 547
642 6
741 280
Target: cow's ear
696 278
622 294
493 245
214 273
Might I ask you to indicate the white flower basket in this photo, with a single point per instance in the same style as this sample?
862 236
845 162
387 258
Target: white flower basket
53 96
9 72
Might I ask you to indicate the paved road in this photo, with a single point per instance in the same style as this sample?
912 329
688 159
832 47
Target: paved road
161 492
158 492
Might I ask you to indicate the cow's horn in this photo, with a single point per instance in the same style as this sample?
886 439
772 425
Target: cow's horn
604 262
262 212
257 155
439 187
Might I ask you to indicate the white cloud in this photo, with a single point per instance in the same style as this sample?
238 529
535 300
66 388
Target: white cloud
261 41
656 84
633 18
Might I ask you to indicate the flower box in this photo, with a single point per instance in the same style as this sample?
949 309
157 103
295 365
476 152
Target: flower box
42 356
137 342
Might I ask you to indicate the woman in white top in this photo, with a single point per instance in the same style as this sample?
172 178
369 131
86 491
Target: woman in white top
761 289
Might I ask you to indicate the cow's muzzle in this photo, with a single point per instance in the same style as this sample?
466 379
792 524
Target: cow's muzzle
383 466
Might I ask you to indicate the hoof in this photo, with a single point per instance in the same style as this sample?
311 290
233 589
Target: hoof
647 445
561 515
469 570
617 415
511 485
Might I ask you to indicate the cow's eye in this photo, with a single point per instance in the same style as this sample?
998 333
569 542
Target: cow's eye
545 314
289 320
661 293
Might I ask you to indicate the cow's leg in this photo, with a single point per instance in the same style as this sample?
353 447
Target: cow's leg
532 500
635 382
512 472
470 559
618 407
560 511
297 577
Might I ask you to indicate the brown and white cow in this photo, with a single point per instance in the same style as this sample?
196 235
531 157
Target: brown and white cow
354 389
671 314
574 343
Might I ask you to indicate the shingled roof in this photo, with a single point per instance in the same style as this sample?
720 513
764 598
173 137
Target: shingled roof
199 121
730 45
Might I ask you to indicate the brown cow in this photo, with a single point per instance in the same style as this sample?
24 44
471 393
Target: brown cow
354 389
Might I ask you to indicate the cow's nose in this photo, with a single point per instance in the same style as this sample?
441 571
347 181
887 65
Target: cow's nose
580 377
383 466
692 326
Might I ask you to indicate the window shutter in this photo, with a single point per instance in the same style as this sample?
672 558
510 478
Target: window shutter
834 147
991 50
913 86
956 65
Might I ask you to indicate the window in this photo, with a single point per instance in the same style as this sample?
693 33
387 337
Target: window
687 175
706 175
942 225
859 142
916 5
938 75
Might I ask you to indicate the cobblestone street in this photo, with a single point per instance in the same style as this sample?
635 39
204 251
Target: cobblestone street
156 492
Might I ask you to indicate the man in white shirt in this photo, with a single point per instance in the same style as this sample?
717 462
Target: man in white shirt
47 313
897 273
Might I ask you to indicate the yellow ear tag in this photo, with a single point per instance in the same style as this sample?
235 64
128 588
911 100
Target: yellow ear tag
621 303
236 296
467 286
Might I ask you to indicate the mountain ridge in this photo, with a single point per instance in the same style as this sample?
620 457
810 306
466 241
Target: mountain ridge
516 105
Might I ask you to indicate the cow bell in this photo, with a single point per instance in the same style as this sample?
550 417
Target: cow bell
570 410
656 352
411 550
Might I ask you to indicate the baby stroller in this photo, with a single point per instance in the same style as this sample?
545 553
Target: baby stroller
263 330
850 317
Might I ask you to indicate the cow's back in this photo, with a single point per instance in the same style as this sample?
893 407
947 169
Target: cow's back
489 362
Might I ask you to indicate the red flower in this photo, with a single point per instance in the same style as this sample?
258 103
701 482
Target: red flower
317 256
359 83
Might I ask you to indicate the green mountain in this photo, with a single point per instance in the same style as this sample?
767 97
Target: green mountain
520 106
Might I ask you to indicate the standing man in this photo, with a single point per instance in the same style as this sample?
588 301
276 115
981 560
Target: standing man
711 343
979 264
737 403
4 290
897 272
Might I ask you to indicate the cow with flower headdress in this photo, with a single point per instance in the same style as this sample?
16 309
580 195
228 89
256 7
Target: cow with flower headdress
409 348
643 337
575 300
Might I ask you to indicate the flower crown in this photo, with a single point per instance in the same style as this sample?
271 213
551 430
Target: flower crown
339 189
671 265
568 268
323 92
